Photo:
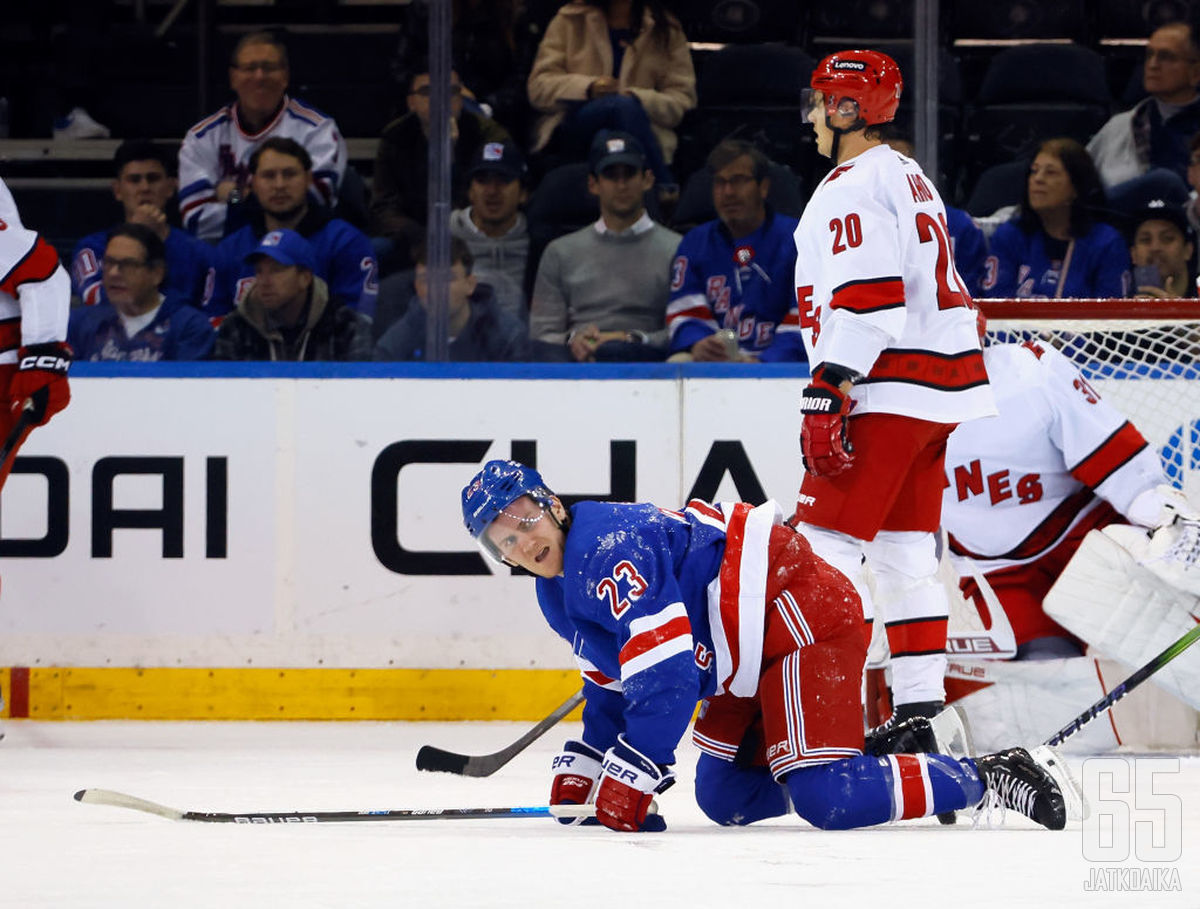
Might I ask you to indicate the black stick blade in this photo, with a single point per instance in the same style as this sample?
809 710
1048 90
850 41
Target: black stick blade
439 761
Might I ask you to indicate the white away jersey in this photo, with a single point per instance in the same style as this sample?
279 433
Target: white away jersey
35 292
878 292
216 149
1019 481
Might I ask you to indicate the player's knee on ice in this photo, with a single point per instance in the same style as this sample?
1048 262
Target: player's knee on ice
734 796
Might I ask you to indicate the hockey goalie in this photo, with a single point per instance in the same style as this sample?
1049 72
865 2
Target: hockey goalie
1065 538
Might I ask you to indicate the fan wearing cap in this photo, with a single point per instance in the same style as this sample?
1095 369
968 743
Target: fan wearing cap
896 363
602 291
288 313
493 225
1162 251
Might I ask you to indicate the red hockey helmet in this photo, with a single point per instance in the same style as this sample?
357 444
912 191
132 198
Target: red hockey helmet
868 78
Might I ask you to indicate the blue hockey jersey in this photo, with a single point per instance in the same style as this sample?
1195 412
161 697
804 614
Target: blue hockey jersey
1032 265
662 608
178 331
744 284
191 268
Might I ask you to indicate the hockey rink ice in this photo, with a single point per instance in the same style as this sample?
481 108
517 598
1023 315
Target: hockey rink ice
57 852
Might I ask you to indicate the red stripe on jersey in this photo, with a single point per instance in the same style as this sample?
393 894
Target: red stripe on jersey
912 637
1113 453
10 334
37 265
945 372
648 640
692 312
731 582
912 787
869 296
792 318
1042 536
187 207
704 508
598 677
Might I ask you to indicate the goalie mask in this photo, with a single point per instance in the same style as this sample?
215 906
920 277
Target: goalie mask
492 491
862 84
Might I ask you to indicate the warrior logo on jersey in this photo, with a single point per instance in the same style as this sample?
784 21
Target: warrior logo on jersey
621 588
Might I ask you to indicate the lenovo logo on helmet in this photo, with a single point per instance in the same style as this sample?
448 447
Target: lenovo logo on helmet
850 64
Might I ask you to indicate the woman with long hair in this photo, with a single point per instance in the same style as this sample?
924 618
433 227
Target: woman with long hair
1057 246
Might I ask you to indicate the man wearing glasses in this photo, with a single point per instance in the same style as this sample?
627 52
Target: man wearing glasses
400 197
1155 132
213 160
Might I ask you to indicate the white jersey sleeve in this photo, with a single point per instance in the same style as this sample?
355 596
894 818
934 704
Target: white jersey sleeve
878 291
35 292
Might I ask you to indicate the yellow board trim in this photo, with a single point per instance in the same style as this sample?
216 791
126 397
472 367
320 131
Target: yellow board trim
168 693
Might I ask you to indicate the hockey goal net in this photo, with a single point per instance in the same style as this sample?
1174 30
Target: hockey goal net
1142 357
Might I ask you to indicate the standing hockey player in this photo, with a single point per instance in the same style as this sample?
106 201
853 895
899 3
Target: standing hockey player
890 331
727 605
35 298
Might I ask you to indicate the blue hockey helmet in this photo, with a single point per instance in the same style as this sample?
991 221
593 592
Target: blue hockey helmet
494 488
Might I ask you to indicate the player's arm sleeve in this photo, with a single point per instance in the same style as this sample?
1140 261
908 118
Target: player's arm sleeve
689 317
42 290
1003 262
1114 273
675 95
548 316
328 150
1101 448
202 214
867 309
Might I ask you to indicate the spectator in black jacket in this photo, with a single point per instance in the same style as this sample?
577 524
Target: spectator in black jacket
288 313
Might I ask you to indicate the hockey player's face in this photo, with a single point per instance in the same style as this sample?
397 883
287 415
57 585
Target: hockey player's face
816 116
524 535
280 183
259 77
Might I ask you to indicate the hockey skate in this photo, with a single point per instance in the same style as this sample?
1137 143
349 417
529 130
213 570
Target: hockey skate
1036 783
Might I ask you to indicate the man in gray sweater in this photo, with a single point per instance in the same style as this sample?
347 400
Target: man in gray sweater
602 291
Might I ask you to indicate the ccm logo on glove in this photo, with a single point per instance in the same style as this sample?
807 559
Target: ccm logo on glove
48 362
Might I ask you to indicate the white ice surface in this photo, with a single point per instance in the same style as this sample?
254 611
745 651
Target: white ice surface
57 852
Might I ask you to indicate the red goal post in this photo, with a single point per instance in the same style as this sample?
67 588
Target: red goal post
1142 355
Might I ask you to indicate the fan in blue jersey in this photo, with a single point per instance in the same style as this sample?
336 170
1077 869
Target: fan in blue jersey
144 184
281 175
725 605
732 273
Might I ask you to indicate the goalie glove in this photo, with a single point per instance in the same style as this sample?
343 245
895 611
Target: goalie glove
1174 549
824 442
627 787
41 377
576 770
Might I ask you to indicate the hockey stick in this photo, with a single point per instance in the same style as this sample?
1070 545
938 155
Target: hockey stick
439 760
121 800
14 434
1126 686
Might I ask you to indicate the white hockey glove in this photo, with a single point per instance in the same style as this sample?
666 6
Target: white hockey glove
1174 550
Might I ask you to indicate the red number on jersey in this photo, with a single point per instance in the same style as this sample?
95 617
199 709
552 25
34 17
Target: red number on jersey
950 290
849 228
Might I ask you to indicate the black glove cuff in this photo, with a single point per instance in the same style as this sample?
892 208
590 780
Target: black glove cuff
835 375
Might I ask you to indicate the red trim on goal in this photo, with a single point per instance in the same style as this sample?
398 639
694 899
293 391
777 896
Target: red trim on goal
1178 309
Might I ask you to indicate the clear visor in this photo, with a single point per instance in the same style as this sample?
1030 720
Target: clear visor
811 99
503 535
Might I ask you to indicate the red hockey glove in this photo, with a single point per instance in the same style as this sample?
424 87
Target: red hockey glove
824 444
627 788
576 770
41 376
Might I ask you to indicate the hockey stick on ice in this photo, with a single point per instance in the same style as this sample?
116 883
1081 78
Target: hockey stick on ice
121 800
436 759
1126 686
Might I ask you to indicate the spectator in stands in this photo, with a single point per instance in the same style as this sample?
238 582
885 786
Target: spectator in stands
1192 207
602 291
280 177
289 313
1162 252
730 274
137 321
616 64
144 185
493 225
479 329
1055 247
967 242
1155 132
214 158
400 196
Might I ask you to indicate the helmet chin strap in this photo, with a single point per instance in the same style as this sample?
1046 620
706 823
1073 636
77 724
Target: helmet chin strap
838 132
